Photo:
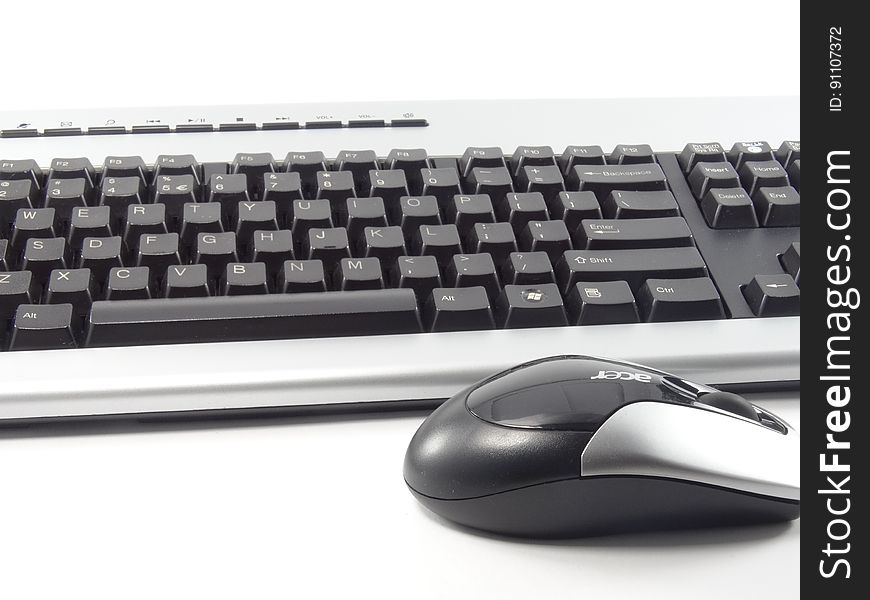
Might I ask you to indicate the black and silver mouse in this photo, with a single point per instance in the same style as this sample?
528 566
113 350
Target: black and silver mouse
573 446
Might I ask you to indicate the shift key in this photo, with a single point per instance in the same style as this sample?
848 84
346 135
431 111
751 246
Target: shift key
633 266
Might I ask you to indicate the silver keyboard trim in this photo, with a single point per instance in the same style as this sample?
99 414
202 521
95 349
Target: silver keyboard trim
330 371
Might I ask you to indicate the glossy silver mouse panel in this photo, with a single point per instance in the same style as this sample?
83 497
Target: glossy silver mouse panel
574 445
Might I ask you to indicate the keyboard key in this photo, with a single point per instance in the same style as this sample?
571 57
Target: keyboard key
440 241
465 211
605 179
384 243
496 239
73 168
43 255
329 245
5 261
228 191
418 273
496 182
640 205
229 318
531 156
755 175
707 176
528 268
186 281
709 152
118 193
254 216
601 303
778 206
33 223
88 221
520 209
159 251
144 218
253 167
272 248
173 191
389 185
199 218
412 161
573 207
65 194
71 286
16 287
414 211
14 195
469 270
478 157
242 279
741 152
791 261
787 153
27 169
208 169
665 232
537 306
117 167
773 295
42 327
128 283
364 212
177 164
581 155
680 300
358 163
728 209
359 274
299 276
551 237
282 189
308 215
100 255
547 180
458 309
307 164
215 251
633 266
443 183
335 187
632 154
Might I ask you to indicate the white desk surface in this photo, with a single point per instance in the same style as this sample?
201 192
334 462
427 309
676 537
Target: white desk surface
313 508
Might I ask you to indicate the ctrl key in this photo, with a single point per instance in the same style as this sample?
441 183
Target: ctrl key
42 327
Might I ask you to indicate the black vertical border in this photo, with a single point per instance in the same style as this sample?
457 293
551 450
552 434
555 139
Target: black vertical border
827 537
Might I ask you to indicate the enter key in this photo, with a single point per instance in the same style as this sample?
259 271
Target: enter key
662 232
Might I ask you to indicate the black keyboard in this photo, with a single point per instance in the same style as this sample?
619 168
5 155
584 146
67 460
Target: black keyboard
136 252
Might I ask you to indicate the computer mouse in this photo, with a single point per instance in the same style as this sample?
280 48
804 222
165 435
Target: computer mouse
573 446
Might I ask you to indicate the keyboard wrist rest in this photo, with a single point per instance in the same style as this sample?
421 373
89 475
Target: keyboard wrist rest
320 372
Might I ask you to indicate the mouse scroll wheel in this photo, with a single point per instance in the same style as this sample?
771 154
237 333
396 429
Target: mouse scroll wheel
729 402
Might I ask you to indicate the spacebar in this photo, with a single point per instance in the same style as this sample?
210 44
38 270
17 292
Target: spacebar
238 318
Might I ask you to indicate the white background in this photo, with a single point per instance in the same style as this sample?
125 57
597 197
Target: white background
261 511
168 52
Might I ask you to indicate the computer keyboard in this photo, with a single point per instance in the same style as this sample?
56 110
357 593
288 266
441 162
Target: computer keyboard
230 276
